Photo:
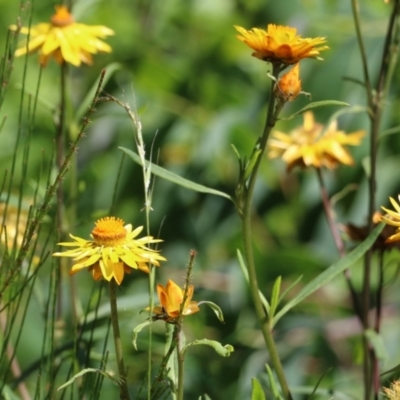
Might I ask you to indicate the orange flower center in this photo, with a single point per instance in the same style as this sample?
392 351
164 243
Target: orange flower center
62 17
109 231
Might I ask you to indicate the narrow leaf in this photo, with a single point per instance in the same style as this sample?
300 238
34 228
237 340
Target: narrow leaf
215 308
275 296
110 69
332 271
243 267
85 371
136 332
224 351
272 382
317 104
170 176
204 397
257 392
378 344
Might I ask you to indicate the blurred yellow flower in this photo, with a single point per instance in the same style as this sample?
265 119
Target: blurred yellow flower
393 218
288 85
64 39
309 145
113 250
280 44
171 297
14 222
392 393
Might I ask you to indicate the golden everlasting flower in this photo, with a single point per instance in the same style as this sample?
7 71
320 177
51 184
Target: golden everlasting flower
308 146
171 297
280 44
288 86
113 250
393 219
64 39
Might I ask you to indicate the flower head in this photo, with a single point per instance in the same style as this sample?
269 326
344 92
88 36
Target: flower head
113 250
392 393
360 233
288 86
309 146
64 39
280 44
393 218
171 298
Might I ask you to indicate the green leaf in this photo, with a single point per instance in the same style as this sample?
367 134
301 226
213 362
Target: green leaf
170 176
224 351
390 131
204 397
332 271
275 296
377 343
273 383
85 371
87 101
137 330
317 104
243 267
257 392
215 308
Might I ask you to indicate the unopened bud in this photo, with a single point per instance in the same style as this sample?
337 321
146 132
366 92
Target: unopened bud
289 85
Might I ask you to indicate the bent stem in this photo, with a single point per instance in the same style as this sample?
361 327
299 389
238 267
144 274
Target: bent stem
124 393
338 242
266 324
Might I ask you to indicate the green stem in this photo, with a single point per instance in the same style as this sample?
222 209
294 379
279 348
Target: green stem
124 393
265 323
181 360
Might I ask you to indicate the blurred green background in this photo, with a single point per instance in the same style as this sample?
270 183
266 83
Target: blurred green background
197 91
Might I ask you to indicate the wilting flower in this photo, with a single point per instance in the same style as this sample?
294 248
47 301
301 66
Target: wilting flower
280 44
171 298
309 146
393 218
288 86
113 251
64 39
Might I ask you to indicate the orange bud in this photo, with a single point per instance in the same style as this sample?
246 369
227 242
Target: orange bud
289 85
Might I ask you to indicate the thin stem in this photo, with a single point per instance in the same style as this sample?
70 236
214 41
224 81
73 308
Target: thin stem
265 323
124 393
181 361
330 215
338 242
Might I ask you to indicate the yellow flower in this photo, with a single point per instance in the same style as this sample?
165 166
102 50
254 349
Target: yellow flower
113 250
394 392
288 86
393 219
280 44
14 222
171 297
308 146
64 39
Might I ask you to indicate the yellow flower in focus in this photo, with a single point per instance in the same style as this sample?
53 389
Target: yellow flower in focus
393 218
280 44
113 251
288 86
171 297
64 39
308 146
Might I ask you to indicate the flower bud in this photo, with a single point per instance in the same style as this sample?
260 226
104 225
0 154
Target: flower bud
289 85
